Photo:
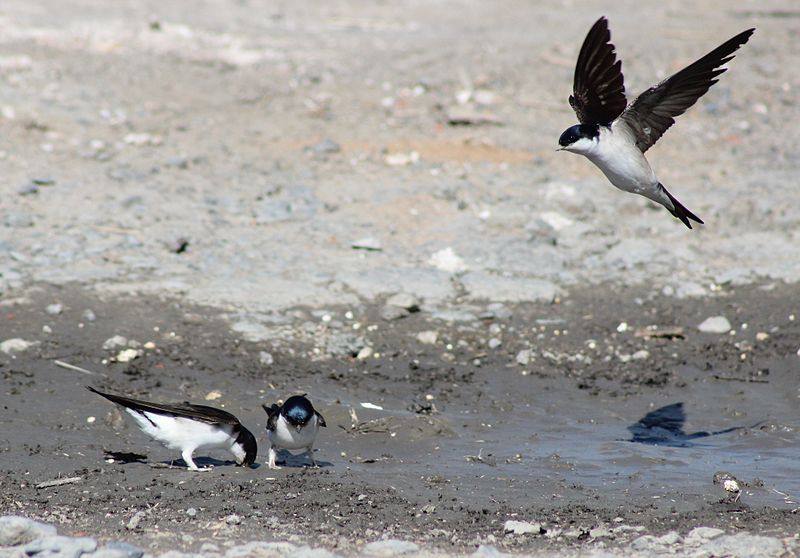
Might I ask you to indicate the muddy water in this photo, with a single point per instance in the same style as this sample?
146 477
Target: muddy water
562 444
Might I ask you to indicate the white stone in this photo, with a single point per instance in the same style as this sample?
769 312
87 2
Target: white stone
15 530
403 300
524 357
447 260
127 355
715 324
522 527
428 337
114 342
700 535
15 345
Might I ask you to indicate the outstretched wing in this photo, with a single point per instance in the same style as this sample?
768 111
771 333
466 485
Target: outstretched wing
201 413
598 90
654 111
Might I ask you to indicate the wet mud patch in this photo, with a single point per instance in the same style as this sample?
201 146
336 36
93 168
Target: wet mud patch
602 417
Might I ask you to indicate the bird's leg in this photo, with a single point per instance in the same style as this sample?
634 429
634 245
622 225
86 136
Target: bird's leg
272 455
310 453
187 458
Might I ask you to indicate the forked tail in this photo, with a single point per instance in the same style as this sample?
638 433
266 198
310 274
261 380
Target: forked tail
680 210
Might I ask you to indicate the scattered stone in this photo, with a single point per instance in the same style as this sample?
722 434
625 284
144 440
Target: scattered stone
15 530
762 336
715 324
700 535
118 549
467 115
325 147
641 354
54 309
27 189
494 342
600 532
141 139
524 357
622 327
522 527
233 519
127 355
191 512
134 521
266 358
59 545
404 300
645 543
745 544
496 311
89 315
428 337
369 243
213 395
364 353
401 159
447 260
178 245
261 549
345 345
114 342
15 345
660 332
47 329
389 547
669 539
391 313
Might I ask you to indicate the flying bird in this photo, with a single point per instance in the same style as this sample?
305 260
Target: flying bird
187 428
614 135
293 425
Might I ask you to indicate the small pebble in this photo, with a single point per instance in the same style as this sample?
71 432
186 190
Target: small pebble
522 527
715 324
427 337
54 309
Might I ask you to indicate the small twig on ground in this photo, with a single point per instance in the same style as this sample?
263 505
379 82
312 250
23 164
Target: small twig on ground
745 380
59 482
69 366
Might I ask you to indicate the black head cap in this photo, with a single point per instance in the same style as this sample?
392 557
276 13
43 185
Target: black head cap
298 410
578 131
248 442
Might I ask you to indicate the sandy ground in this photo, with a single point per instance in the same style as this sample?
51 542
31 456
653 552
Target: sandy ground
227 180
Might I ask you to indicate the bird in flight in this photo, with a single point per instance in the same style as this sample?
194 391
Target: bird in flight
614 135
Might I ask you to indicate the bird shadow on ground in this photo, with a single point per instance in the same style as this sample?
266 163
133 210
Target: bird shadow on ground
287 459
664 427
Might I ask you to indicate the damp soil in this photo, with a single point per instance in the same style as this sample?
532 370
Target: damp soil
595 429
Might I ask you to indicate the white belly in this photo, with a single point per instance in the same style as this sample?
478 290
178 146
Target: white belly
286 436
622 163
179 433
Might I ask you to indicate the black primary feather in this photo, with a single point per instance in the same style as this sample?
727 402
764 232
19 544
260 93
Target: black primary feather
200 413
654 111
598 89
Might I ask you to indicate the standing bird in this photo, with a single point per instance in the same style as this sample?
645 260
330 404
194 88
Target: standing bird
614 137
293 425
188 427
